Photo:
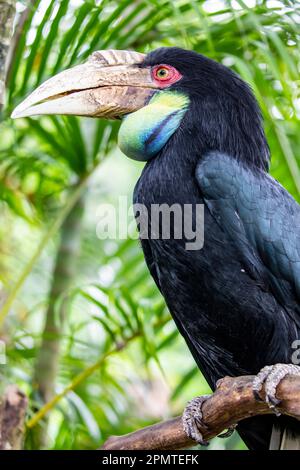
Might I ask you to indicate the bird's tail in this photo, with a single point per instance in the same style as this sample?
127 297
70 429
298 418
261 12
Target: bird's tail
283 439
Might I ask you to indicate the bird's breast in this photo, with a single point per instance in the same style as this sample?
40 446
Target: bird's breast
209 292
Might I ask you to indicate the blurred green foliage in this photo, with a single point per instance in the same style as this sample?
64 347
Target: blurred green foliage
122 363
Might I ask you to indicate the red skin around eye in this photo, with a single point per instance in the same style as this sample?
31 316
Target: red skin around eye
172 77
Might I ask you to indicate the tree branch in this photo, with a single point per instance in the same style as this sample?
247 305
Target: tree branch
22 20
232 402
46 367
12 419
7 14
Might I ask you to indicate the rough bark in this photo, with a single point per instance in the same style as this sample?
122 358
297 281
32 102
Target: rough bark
64 271
12 419
232 402
23 18
7 14
13 403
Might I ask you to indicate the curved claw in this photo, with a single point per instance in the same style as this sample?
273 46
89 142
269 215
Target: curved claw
271 376
227 433
192 420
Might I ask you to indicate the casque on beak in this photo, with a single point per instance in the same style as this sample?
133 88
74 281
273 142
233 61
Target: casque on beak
110 84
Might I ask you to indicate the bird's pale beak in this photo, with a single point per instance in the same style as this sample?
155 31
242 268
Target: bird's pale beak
110 84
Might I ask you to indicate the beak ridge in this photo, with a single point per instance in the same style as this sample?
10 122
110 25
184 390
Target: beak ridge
109 84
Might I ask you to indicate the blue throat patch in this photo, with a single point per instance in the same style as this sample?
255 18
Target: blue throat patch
142 134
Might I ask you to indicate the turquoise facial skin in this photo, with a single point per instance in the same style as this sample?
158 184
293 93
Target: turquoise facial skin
142 134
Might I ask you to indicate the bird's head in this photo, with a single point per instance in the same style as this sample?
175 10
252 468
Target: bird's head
167 93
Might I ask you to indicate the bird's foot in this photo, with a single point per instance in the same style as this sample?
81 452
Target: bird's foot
192 419
271 376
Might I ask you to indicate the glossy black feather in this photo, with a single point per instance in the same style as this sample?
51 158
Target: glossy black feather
262 219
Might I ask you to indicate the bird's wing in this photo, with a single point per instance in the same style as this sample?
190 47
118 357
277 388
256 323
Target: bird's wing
262 219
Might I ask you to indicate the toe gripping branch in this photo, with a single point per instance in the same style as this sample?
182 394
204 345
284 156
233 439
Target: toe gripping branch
192 420
269 378
193 423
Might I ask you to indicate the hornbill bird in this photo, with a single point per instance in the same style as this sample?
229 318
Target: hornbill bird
236 299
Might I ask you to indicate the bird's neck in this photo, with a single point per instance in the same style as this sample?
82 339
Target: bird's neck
227 127
170 175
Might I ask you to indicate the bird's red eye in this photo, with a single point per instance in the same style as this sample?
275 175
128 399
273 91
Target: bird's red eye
165 75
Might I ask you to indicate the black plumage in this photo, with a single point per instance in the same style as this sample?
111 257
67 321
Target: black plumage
237 300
